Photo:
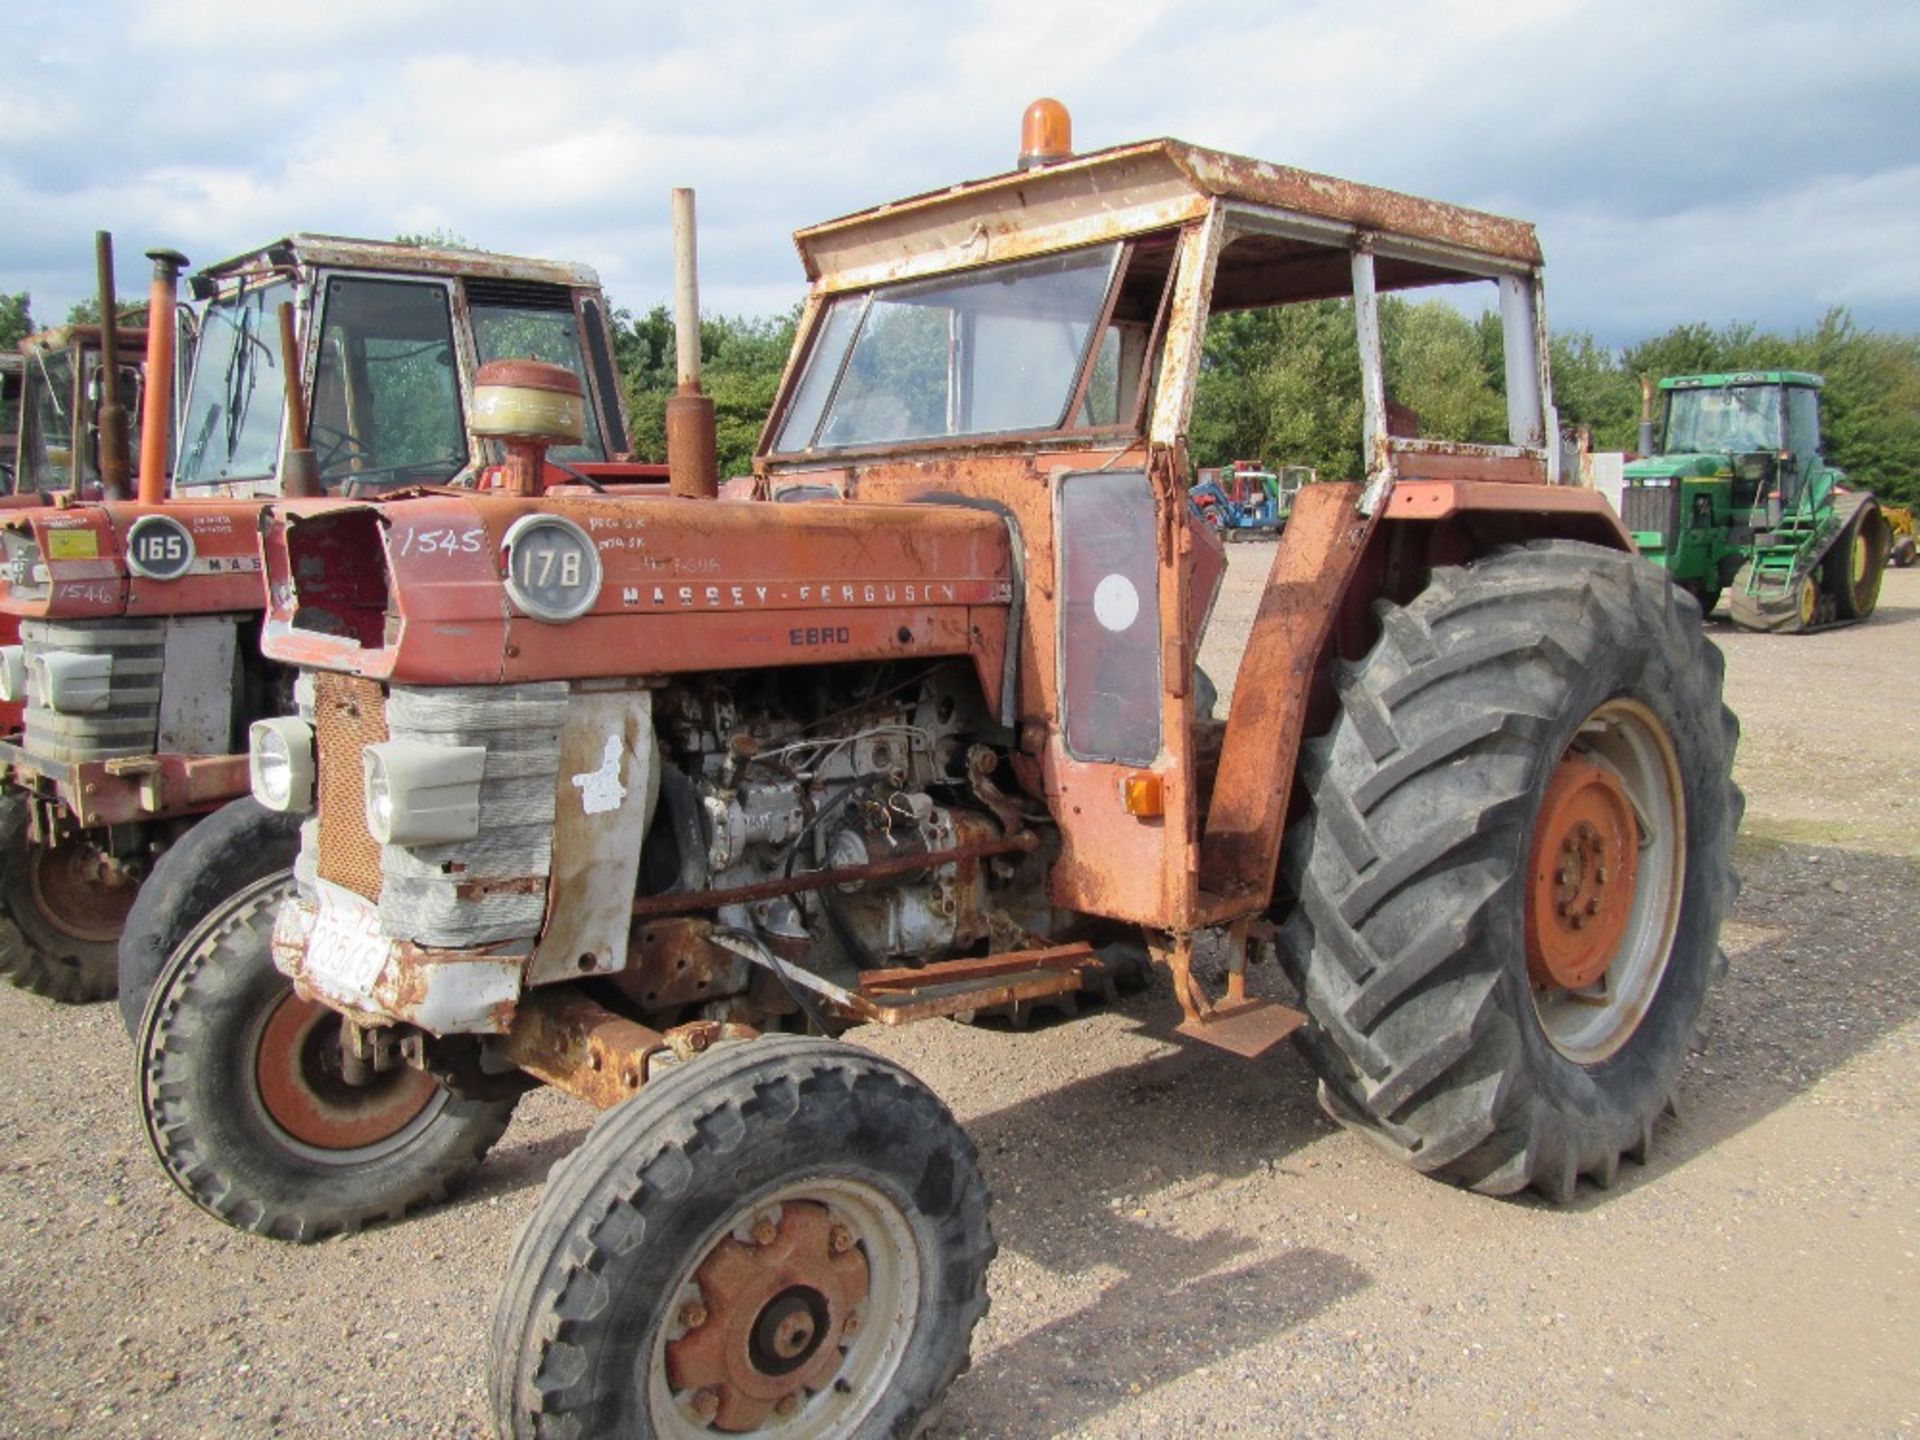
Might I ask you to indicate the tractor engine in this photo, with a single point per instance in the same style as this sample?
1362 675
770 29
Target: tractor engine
753 795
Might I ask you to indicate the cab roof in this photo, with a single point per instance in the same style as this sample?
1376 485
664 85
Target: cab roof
344 252
1723 379
1136 189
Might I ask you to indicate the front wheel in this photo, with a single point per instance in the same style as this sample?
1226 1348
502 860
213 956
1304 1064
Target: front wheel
1514 870
786 1237
239 843
248 1109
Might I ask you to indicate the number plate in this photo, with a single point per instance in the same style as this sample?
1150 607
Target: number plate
345 949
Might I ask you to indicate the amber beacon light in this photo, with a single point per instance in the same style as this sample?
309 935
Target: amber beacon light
1046 134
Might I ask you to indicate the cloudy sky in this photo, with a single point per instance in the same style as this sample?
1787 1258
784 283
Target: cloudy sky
1686 160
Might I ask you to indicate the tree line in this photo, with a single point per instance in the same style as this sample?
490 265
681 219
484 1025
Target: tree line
1283 386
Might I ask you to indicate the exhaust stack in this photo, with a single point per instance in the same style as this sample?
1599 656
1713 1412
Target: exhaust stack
156 415
300 475
115 464
1646 415
693 466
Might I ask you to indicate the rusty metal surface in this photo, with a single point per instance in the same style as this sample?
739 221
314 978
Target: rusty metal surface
1446 499
955 987
674 962
1126 190
304 248
348 715
967 971
1248 1029
1424 459
574 1044
689 585
778 1303
115 792
1311 569
685 902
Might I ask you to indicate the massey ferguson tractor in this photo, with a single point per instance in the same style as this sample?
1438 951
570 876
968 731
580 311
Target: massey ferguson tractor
1741 498
652 801
139 663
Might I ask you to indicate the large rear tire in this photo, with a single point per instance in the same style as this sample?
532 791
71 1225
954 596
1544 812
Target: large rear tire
786 1236
61 914
237 844
247 1111
1514 869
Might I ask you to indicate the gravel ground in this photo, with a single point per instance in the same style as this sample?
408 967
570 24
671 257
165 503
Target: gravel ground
1187 1246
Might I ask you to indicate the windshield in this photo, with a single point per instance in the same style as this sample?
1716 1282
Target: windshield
386 400
1736 420
234 404
46 429
994 351
507 332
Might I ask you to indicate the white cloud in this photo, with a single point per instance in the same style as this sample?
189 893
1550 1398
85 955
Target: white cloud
1716 160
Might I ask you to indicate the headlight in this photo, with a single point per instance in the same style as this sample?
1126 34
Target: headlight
280 763
13 674
72 682
421 794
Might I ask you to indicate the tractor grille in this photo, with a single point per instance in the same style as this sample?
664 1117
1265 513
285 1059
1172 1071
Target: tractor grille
131 719
349 713
1656 508
492 888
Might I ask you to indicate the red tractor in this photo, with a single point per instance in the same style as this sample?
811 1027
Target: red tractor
139 664
651 801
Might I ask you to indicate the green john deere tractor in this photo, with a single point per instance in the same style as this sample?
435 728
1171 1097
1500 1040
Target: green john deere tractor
1739 498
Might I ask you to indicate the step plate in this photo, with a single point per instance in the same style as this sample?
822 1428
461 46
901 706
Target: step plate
1248 1030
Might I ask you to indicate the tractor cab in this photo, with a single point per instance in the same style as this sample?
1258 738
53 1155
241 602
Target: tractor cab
391 336
60 385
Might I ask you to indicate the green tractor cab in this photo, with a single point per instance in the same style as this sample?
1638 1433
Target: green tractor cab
1738 497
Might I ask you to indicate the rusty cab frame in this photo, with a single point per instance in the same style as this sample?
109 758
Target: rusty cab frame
1144 836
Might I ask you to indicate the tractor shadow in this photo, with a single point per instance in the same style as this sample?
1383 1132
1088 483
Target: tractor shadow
1820 971
1091 1184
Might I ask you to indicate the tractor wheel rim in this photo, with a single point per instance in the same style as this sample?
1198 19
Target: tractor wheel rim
299 1087
1809 601
1862 556
792 1320
1608 852
71 896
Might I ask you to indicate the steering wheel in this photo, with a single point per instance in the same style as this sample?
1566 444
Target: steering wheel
353 445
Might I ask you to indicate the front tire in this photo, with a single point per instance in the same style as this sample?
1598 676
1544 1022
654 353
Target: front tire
61 918
237 844
252 1121
785 1236
1534 754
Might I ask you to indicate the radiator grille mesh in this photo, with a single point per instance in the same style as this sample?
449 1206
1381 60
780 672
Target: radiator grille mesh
349 714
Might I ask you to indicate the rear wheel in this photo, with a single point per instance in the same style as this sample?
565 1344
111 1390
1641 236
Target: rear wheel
785 1237
248 1110
1513 874
64 907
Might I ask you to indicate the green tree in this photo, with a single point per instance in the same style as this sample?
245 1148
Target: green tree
16 319
741 359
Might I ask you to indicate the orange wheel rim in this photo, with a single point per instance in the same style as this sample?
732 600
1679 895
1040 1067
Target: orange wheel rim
1580 876
304 1093
77 895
